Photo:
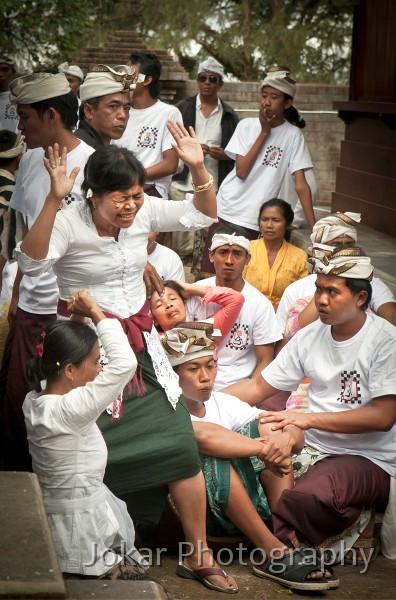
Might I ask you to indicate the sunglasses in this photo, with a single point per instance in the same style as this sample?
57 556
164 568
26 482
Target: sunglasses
210 78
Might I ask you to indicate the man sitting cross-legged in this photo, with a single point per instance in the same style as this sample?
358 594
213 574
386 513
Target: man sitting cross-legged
228 434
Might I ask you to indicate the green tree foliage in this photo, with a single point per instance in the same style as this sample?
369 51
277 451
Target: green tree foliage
45 32
312 37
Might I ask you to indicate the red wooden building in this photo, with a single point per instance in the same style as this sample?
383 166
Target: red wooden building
366 178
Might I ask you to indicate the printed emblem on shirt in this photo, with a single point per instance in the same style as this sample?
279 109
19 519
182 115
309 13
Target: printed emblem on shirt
239 337
11 112
350 388
147 137
66 201
272 156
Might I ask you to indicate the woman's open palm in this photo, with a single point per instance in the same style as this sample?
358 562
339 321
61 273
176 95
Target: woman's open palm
56 165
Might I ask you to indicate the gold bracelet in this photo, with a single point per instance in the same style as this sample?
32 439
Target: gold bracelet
204 186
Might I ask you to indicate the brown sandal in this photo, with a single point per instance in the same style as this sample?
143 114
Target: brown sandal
201 574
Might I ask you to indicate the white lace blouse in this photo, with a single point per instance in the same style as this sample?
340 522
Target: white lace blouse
111 270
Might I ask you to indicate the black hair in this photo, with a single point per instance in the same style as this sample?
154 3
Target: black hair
7 141
64 342
285 209
176 287
150 64
66 106
230 229
292 115
94 102
112 168
359 285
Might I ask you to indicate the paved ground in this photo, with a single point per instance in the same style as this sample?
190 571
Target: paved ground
379 583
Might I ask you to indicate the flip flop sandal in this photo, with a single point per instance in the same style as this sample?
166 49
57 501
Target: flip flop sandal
292 574
201 574
372 543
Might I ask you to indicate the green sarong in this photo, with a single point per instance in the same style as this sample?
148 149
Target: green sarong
217 479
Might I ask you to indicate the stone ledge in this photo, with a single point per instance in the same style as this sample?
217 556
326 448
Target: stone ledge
29 565
114 590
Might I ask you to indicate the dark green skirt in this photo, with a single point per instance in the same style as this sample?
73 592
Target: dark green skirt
151 445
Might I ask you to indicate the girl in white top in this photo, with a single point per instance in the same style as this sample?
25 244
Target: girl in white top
68 450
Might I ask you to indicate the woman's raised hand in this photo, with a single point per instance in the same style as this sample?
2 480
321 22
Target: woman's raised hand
61 183
187 146
83 304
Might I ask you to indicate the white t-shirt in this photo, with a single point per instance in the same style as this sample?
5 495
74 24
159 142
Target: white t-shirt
344 376
167 263
256 326
40 294
306 287
239 200
8 113
148 137
227 411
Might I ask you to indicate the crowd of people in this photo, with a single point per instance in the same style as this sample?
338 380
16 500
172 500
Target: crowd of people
259 399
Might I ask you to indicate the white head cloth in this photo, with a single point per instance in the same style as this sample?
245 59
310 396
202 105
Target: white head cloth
212 65
16 149
103 80
349 262
71 70
334 226
38 86
189 341
223 239
281 79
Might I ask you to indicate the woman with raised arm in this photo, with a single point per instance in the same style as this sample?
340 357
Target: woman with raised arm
101 244
68 451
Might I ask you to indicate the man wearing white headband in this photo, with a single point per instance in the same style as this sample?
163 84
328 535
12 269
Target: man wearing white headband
146 133
350 356
214 122
249 346
227 432
8 114
337 229
105 104
74 75
47 110
264 150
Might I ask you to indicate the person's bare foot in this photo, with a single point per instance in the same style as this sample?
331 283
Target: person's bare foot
225 582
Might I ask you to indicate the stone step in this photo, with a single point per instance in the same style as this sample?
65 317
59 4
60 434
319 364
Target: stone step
29 565
79 589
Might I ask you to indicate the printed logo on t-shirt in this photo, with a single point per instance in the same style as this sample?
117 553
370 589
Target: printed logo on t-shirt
66 201
147 137
11 112
239 337
272 156
350 388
